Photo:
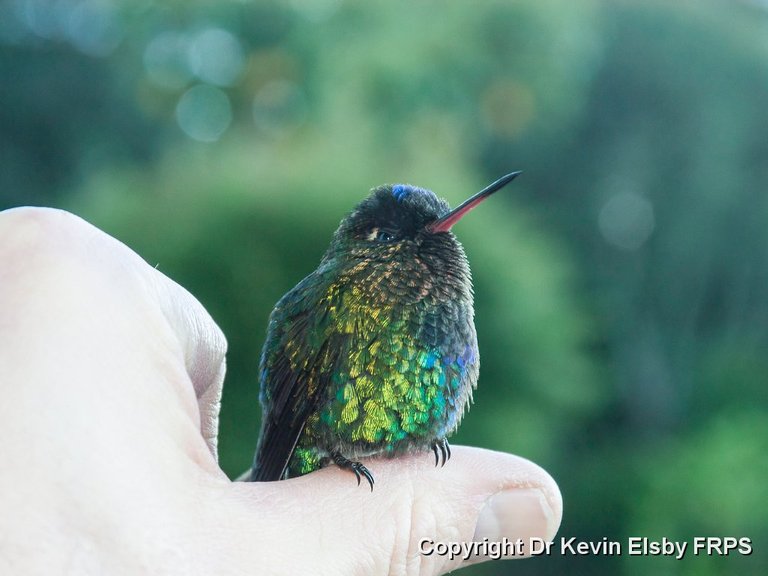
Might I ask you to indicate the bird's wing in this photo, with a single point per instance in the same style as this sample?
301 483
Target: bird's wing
298 361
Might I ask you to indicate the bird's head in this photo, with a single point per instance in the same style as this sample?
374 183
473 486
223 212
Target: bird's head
397 223
397 245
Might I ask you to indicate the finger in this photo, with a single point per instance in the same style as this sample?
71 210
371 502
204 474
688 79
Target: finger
203 347
414 518
102 363
80 295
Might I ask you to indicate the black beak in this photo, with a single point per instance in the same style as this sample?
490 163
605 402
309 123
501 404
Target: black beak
444 224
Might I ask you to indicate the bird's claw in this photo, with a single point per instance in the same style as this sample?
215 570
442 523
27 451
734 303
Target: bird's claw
356 467
445 451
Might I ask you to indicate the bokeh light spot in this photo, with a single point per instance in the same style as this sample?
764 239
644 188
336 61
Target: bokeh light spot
204 113
626 220
279 107
165 60
94 27
216 56
508 107
316 10
41 18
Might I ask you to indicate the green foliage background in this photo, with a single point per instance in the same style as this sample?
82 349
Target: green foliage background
621 284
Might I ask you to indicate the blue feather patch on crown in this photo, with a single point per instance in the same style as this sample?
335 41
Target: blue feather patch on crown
399 191
402 191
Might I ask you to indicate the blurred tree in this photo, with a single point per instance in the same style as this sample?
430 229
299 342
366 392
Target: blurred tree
58 108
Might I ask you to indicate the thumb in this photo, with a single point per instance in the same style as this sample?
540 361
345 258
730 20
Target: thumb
419 519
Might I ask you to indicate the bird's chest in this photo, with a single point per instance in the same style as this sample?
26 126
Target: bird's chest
407 381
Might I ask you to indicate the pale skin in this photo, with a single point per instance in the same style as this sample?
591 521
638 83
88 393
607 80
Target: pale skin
110 379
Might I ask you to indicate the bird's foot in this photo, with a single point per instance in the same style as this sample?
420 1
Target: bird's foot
445 451
356 467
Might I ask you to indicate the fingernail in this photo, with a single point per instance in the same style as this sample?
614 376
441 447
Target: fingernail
517 515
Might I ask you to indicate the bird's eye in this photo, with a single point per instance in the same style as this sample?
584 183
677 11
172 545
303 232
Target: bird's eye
384 236
377 234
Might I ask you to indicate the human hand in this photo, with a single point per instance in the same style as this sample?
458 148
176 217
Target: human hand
110 379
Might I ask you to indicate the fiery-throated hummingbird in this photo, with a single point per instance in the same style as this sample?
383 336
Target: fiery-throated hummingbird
375 352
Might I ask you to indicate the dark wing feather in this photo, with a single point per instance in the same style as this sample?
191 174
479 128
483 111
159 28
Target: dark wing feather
290 393
282 422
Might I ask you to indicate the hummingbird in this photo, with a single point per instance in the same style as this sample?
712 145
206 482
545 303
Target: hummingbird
375 352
